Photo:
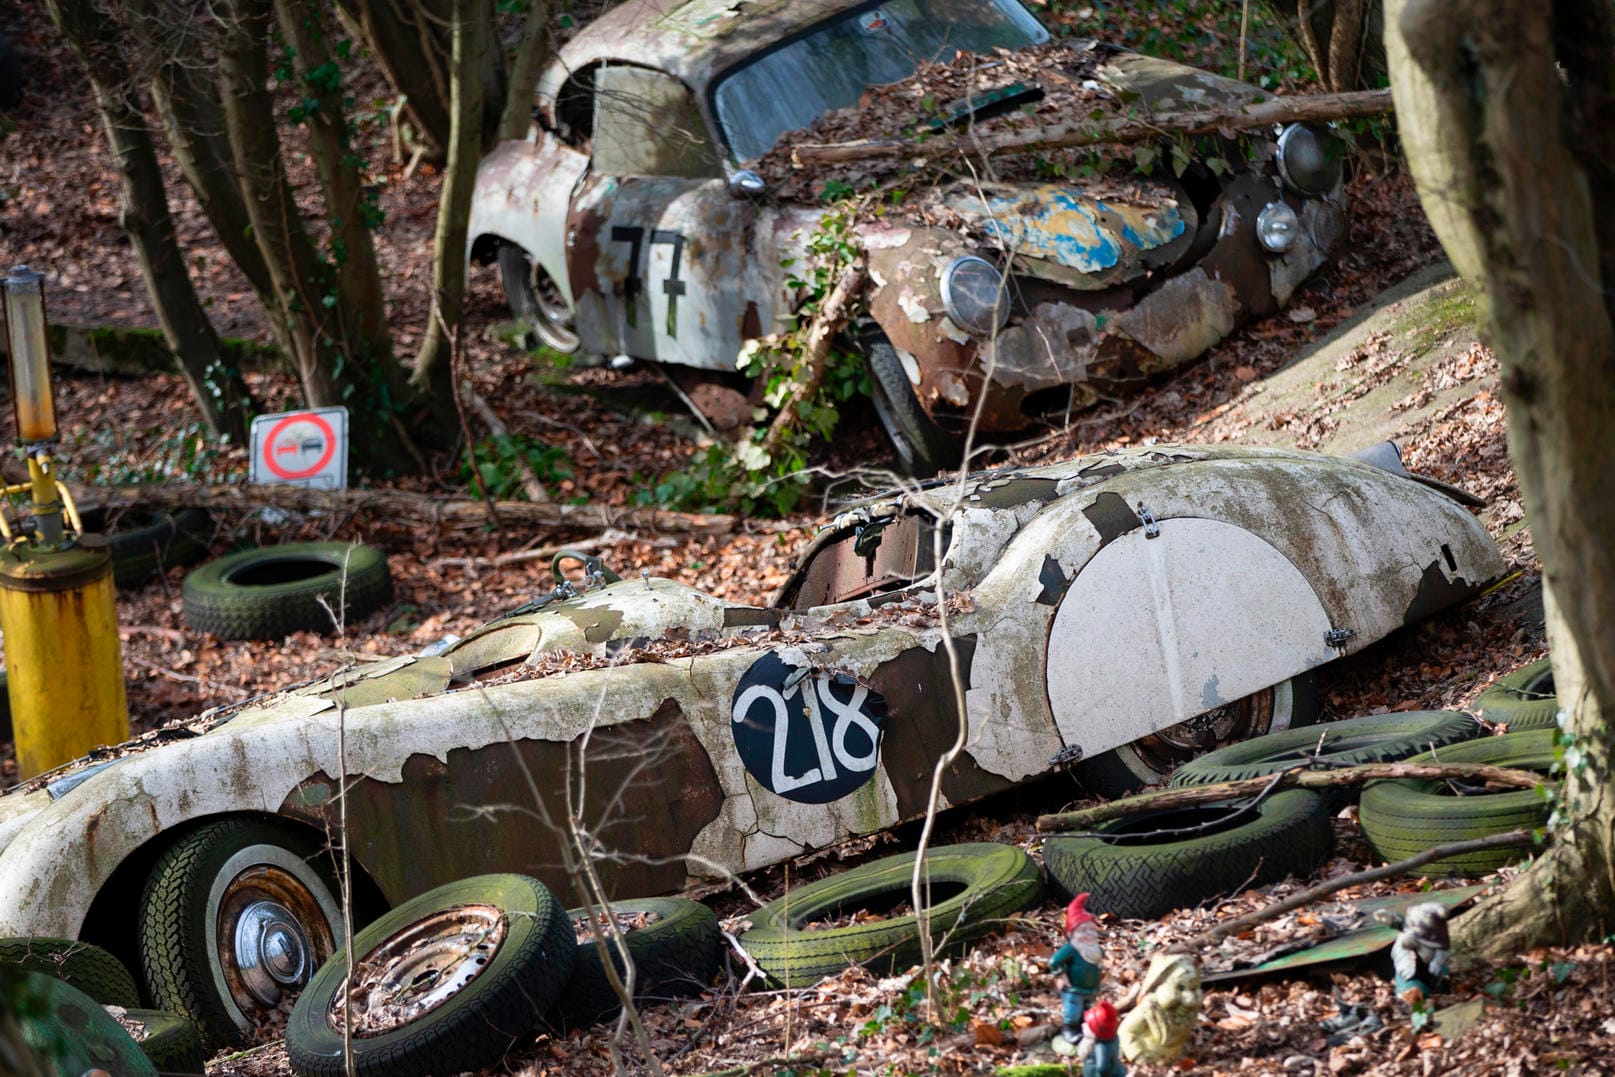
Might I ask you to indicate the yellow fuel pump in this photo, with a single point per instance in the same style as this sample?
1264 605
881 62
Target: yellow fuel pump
64 666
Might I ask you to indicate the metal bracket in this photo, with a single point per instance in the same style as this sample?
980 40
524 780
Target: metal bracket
1337 637
1151 528
1069 754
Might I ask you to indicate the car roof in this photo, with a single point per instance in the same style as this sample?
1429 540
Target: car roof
692 39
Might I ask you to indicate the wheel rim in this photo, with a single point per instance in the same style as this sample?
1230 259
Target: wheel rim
418 969
1249 717
536 298
272 933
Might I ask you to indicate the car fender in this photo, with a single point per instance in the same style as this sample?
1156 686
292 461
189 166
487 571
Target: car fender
1351 553
521 196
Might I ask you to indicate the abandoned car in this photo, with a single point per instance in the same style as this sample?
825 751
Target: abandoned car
633 220
1124 611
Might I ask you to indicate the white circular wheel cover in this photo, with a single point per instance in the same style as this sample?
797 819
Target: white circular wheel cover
271 856
1156 630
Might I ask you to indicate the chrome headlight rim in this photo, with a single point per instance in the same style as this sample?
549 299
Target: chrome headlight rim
962 304
1278 226
1289 170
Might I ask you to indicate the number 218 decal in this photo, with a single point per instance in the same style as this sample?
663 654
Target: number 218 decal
808 735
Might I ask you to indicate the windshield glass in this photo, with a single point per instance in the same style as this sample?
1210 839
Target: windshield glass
828 68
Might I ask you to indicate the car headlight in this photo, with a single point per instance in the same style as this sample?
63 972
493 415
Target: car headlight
1277 226
973 295
1309 159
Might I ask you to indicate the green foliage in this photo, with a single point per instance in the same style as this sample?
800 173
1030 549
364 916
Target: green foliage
186 453
498 467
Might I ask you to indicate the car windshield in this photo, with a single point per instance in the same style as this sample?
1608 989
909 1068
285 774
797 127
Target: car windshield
828 68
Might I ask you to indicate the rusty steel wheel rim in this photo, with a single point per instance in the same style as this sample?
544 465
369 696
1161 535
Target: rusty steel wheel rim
272 935
1243 718
418 969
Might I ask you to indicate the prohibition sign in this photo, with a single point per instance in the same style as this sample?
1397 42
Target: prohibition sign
292 445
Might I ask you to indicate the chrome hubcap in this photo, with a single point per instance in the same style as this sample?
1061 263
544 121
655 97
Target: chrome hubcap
272 952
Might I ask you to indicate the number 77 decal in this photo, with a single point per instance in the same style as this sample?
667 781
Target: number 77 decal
634 284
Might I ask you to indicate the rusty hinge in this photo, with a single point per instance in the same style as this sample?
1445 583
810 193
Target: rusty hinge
1337 637
1151 528
1069 754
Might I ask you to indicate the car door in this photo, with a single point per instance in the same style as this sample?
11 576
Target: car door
657 245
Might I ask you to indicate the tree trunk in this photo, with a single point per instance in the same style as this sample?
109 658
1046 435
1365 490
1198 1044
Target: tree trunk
1342 38
1514 160
411 43
433 376
531 55
221 394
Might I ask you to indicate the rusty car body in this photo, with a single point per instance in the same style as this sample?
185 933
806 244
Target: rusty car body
629 222
1126 609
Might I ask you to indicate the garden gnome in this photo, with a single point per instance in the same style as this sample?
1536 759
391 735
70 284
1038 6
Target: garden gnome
1419 954
1078 961
1101 1055
1160 1026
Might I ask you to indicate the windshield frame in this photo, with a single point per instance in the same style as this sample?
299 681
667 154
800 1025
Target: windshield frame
718 78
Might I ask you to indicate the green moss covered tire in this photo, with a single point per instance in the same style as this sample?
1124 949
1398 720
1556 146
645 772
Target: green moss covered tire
66 1030
448 979
1130 873
674 955
1376 738
1525 699
236 915
171 1042
89 968
144 540
272 592
1406 817
975 886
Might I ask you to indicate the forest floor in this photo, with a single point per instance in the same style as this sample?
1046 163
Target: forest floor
615 434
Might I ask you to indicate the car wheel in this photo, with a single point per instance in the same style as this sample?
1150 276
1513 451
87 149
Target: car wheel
675 954
536 300
1376 738
272 592
922 447
1405 817
89 968
1148 760
66 1030
1525 699
444 983
235 918
144 540
976 886
1134 868
171 1042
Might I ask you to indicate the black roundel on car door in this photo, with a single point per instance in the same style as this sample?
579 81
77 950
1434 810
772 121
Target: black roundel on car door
808 735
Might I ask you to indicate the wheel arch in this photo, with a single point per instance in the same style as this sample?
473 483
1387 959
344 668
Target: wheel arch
110 919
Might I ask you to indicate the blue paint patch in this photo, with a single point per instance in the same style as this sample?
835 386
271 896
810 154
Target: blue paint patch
1063 226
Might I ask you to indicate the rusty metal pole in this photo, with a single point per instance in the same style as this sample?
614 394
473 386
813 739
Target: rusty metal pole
64 665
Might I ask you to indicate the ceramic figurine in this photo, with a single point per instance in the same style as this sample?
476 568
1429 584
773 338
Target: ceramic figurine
1101 1055
1160 1026
1078 961
1420 953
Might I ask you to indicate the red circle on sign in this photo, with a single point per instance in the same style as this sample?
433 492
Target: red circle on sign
325 458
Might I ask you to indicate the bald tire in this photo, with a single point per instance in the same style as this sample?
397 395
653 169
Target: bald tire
1130 874
475 1027
1523 700
1405 817
89 968
981 885
1376 738
171 1042
67 1031
676 955
923 447
271 592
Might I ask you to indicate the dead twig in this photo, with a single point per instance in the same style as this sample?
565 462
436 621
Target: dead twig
822 329
1298 777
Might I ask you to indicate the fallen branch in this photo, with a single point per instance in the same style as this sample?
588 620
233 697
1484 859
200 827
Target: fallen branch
1116 130
1221 931
822 329
1298 777
426 509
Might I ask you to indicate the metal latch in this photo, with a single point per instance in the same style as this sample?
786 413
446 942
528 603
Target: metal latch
1069 754
1337 637
1151 528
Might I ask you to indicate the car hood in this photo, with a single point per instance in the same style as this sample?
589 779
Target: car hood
1150 84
